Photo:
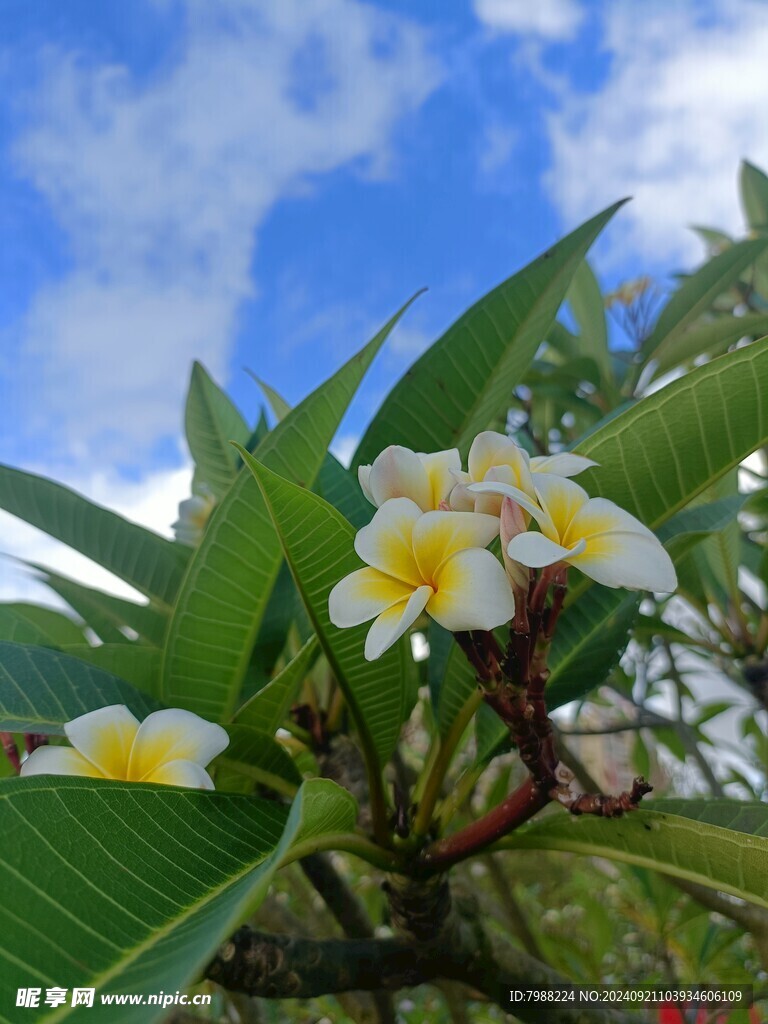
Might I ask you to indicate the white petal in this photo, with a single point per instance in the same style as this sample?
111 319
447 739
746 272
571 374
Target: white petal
363 476
398 473
599 515
440 468
172 735
460 499
535 550
562 464
438 535
386 542
181 773
560 499
105 737
508 491
363 595
59 761
628 559
488 449
473 592
393 623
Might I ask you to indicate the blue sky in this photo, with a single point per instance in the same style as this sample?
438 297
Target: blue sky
261 184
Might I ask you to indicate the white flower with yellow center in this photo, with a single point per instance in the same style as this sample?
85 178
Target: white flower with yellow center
602 540
433 561
496 458
400 473
170 747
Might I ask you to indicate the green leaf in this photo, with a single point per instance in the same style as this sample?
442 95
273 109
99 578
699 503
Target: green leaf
641 759
30 624
336 484
671 739
284 610
588 307
754 195
267 709
232 573
212 420
456 687
715 240
590 638
720 858
749 817
41 690
682 531
128 888
107 615
134 663
659 454
340 488
710 711
280 408
490 739
458 385
707 339
697 292
255 757
150 563
318 546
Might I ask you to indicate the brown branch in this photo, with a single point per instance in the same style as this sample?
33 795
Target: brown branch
350 914
341 901
288 967
518 807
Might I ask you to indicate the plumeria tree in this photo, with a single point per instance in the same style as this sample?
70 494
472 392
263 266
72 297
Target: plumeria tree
340 683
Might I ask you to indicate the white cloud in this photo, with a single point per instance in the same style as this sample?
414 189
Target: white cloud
152 502
685 98
549 19
161 187
498 147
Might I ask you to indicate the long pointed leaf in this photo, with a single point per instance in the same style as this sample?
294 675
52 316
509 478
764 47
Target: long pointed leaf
212 420
136 664
128 888
267 709
697 292
659 454
708 854
754 195
106 614
317 542
29 624
41 690
707 339
150 563
459 384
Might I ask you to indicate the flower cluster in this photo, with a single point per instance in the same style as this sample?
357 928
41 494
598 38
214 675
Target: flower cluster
426 546
170 747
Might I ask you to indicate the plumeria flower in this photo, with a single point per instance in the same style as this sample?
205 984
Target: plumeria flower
194 514
400 473
433 561
497 458
171 747
599 538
